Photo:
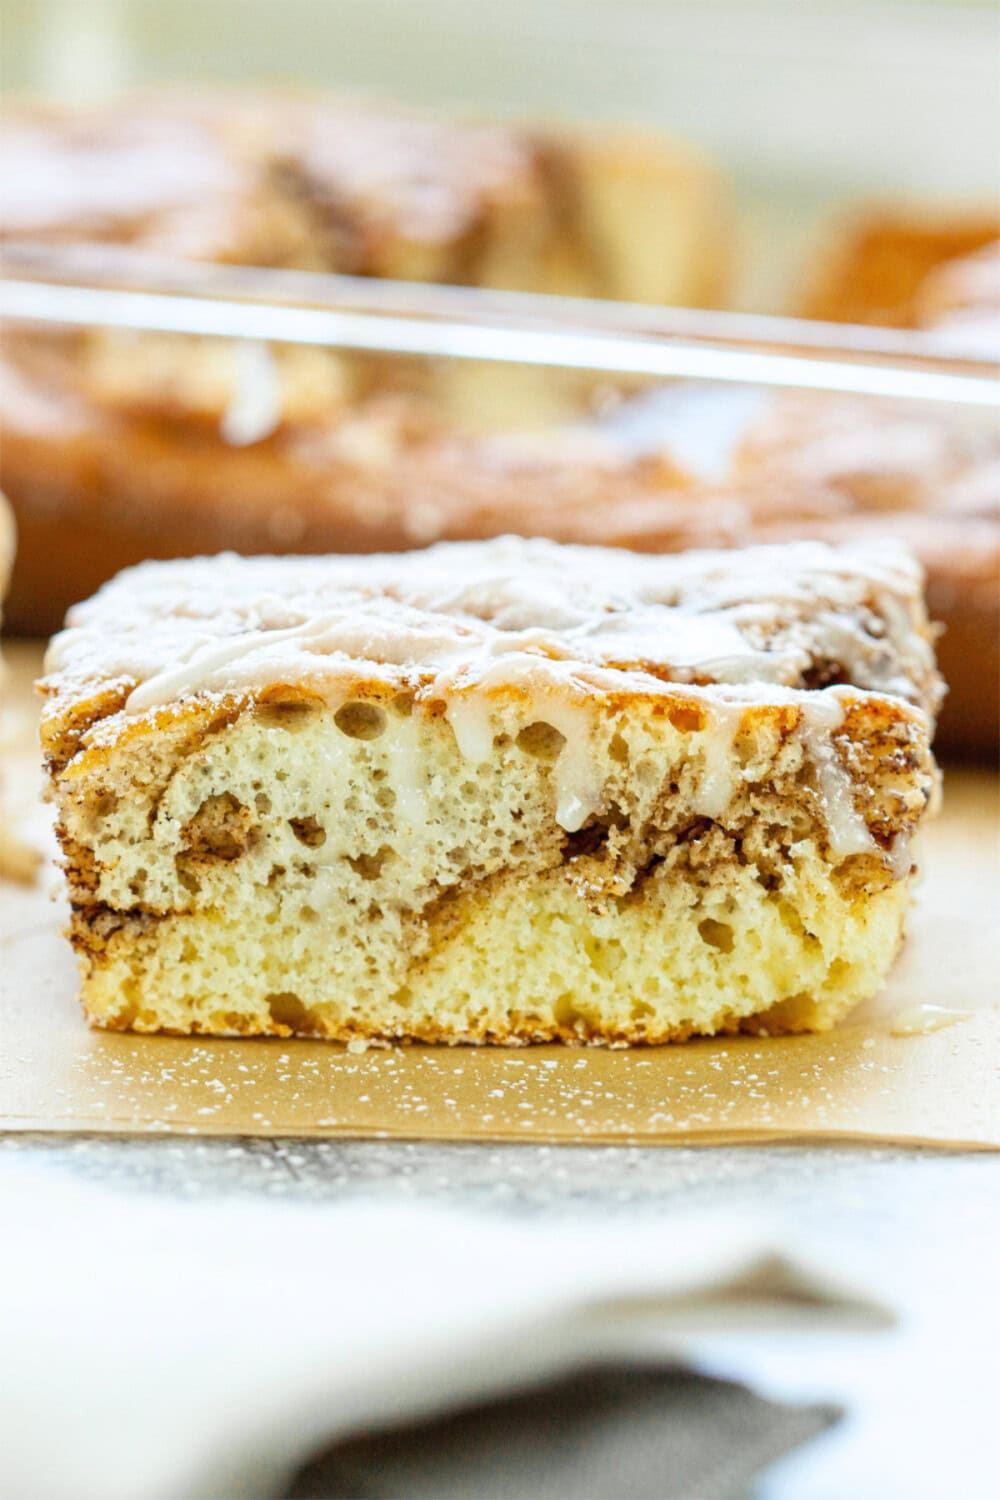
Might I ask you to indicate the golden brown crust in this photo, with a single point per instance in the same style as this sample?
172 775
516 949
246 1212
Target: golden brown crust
460 622
67 719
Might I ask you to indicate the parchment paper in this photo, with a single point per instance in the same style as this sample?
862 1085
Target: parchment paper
941 1087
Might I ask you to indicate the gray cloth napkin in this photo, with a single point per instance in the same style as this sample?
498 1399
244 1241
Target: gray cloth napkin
605 1432
190 1351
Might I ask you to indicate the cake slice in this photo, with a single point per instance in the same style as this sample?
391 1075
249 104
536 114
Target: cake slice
18 861
492 792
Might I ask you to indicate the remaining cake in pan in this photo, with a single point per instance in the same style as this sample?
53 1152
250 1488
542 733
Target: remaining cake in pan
145 445
960 299
389 474
850 469
505 792
314 184
283 448
339 185
875 269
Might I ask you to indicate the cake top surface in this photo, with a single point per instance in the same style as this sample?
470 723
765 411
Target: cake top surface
423 176
534 614
125 170
106 172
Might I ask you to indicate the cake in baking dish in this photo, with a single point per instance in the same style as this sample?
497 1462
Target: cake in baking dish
960 301
492 792
149 444
875 267
848 469
336 184
319 184
390 474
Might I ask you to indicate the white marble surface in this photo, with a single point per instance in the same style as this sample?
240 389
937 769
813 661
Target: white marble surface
921 1225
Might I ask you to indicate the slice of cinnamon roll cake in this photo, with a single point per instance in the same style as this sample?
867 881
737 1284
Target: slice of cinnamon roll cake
492 792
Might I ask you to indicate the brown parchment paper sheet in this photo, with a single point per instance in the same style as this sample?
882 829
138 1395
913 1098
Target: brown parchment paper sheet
860 1082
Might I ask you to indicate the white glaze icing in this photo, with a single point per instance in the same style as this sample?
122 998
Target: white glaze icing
701 427
254 410
111 169
719 769
919 1020
760 617
472 722
407 775
564 626
847 830
577 785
